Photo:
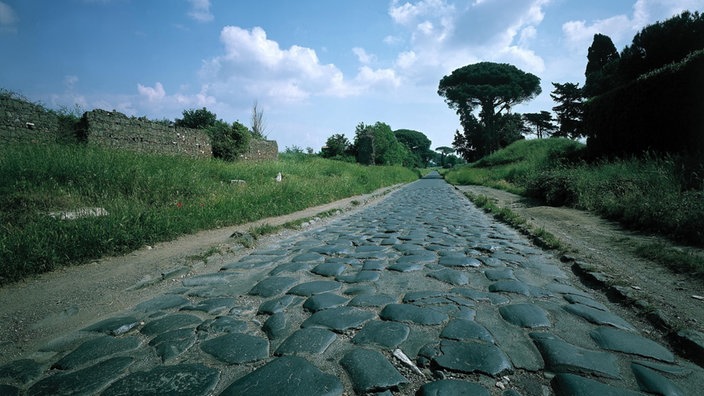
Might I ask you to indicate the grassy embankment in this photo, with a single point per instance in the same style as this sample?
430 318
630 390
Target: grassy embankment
150 198
642 194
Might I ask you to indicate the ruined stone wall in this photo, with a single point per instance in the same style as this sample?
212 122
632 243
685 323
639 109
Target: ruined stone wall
261 150
112 129
24 122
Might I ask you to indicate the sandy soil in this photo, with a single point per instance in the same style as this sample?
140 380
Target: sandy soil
37 310
609 250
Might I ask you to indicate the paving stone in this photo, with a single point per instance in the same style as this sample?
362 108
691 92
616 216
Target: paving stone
359 277
627 342
95 349
167 301
651 382
418 258
170 322
597 316
453 277
172 343
224 290
406 267
329 269
472 357
315 287
510 286
359 290
574 385
664 368
237 348
9 390
561 357
290 268
339 319
22 371
278 304
499 274
476 295
309 341
114 326
276 326
374 265
212 305
385 334
577 299
459 261
452 387
424 295
224 324
334 250
465 330
567 290
180 379
369 371
491 262
272 286
525 315
371 300
207 279
691 343
287 375
86 381
310 257
412 314
322 301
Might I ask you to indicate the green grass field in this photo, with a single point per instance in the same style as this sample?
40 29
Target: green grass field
150 198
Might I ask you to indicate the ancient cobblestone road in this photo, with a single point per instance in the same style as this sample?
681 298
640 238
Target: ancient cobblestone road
423 275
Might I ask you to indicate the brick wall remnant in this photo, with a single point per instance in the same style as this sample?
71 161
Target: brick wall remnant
25 122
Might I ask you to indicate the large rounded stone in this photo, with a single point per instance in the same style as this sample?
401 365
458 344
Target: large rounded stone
237 348
181 379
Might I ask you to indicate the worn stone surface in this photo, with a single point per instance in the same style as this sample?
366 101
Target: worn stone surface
598 316
308 341
181 379
452 387
82 382
94 349
574 385
316 287
339 319
114 326
525 315
465 330
472 357
385 334
370 371
272 286
628 342
237 348
412 314
652 382
170 322
171 344
561 356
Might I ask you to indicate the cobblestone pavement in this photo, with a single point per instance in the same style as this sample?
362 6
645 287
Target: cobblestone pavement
419 294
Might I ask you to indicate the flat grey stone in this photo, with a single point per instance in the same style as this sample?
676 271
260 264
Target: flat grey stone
406 267
691 343
315 287
272 286
212 305
452 387
114 326
86 381
465 330
567 290
359 290
453 277
510 286
371 300
577 299
419 258
170 322
412 314
334 250
561 357
237 348
359 277
472 357
290 268
573 385
459 261
374 265
598 316
217 278
322 301
180 379
498 274
480 296
339 319
627 342
664 368
167 301
287 375
329 269
95 349
385 334
309 341
224 324
369 371
310 257
525 315
278 304
172 343
22 371
424 295
652 382
276 326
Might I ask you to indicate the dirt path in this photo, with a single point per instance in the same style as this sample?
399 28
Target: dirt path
37 310
602 246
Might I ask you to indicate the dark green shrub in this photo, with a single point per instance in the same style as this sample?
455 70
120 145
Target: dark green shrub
229 142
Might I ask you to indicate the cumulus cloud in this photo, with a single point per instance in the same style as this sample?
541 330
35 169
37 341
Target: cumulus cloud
154 94
8 18
200 10
257 65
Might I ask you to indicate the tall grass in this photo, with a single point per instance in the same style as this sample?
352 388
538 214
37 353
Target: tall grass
651 194
150 198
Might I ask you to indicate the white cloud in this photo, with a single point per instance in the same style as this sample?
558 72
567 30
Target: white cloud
363 56
8 18
155 94
200 10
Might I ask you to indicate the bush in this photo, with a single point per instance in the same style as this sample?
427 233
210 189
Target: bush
229 142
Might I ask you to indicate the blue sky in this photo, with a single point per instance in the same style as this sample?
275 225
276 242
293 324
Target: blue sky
315 67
